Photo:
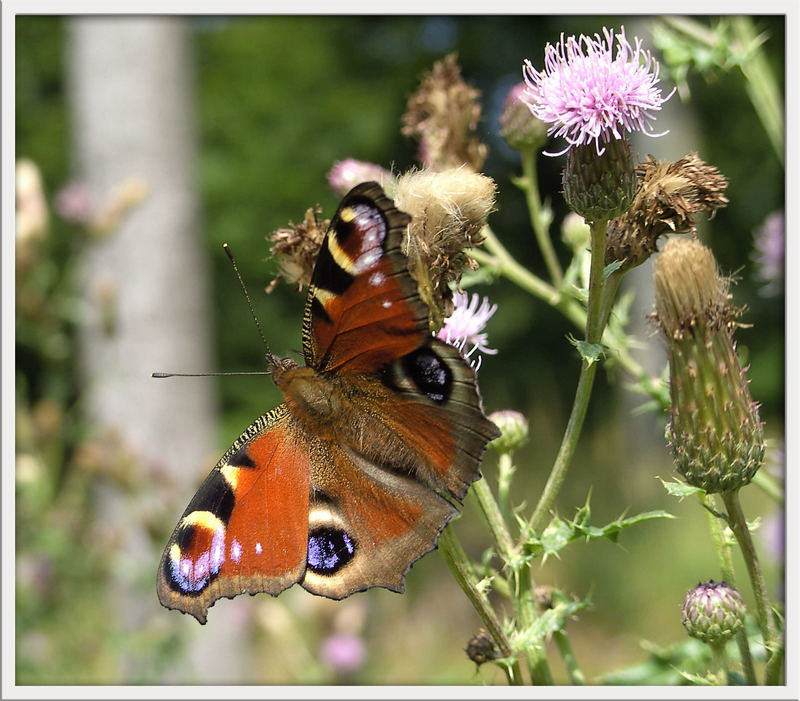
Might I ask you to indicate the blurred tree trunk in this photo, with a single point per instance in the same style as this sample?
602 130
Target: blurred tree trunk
146 287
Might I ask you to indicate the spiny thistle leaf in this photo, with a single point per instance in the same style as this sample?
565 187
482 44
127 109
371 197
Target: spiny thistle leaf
559 533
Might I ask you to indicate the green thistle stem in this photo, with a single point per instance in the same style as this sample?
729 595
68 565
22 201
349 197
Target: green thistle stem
523 596
745 541
494 518
719 662
565 649
594 313
505 264
761 84
505 472
540 222
594 331
502 263
723 551
526 611
462 570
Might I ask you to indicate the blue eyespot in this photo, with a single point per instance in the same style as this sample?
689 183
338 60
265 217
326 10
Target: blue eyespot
329 550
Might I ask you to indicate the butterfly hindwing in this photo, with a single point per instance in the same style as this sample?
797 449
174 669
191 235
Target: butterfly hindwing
367 525
245 530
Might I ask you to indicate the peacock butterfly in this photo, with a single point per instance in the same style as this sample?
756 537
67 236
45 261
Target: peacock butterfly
352 479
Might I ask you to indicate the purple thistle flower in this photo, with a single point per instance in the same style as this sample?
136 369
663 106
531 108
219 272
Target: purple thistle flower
466 323
343 652
74 203
348 173
586 94
768 255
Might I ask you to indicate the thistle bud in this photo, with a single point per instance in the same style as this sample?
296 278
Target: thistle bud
600 186
713 612
575 232
513 430
715 433
520 129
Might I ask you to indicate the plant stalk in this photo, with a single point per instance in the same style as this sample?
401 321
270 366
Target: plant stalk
539 222
594 331
494 518
571 664
726 567
462 570
744 539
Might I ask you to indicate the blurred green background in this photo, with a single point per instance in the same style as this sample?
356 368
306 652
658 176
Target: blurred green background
278 101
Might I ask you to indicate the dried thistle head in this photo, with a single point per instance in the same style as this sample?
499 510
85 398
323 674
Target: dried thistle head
443 115
669 196
448 211
296 247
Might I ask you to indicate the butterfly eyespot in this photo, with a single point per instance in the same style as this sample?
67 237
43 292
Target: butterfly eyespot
429 373
329 550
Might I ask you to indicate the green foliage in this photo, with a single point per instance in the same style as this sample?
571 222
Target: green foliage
590 352
560 533
551 621
681 489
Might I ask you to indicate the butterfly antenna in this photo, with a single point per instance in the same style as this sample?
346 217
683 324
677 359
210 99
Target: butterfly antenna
207 374
247 297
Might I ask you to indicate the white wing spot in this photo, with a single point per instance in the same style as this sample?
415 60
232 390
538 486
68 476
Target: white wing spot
258 548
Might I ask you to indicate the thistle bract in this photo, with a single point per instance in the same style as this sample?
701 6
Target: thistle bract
600 186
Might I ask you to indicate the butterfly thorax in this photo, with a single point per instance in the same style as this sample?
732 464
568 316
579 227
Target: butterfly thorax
311 397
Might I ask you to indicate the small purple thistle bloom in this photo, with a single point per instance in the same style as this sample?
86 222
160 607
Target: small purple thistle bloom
343 652
768 255
465 325
348 173
74 203
586 94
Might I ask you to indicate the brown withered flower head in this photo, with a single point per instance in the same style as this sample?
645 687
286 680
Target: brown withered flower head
443 115
448 211
668 197
296 247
